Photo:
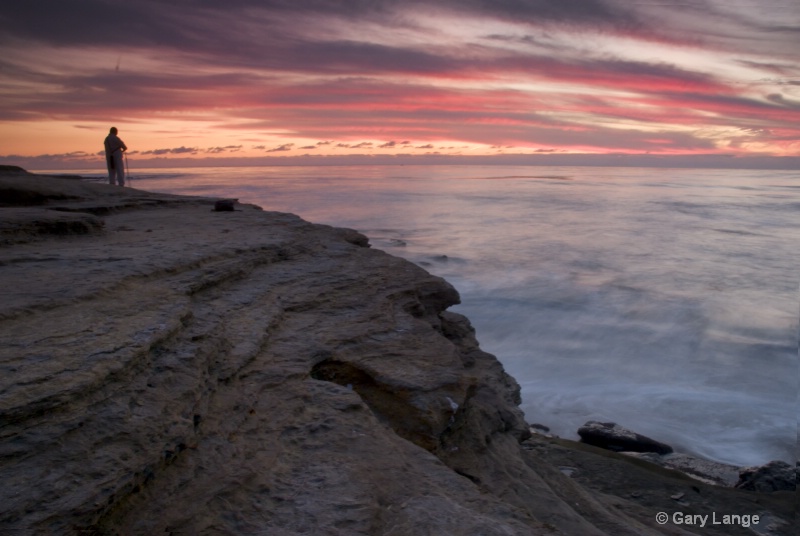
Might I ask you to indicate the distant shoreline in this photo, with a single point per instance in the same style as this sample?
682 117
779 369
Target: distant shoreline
776 163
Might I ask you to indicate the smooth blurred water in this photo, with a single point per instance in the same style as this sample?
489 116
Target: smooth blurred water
666 300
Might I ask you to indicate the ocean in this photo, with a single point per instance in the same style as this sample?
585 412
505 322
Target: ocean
665 300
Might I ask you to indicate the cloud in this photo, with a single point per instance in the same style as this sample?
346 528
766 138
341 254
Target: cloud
281 148
780 99
238 32
175 24
780 69
70 156
174 150
586 74
226 149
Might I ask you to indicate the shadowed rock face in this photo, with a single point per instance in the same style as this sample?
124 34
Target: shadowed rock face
196 371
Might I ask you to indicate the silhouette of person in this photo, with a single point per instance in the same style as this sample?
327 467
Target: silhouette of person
114 149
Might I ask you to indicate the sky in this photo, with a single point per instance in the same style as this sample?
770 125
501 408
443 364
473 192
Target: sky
318 81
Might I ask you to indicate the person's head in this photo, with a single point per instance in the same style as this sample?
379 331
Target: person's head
113 130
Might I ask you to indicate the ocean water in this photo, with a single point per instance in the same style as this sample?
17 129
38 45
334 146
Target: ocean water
666 300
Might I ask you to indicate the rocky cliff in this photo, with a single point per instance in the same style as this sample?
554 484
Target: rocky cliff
169 368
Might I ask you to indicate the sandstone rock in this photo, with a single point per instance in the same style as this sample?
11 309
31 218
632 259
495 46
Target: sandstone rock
267 375
611 436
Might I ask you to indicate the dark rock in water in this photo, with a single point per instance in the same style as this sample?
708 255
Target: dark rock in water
224 205
611 436
774 476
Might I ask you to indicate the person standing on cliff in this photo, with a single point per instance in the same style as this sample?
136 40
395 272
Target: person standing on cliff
114 149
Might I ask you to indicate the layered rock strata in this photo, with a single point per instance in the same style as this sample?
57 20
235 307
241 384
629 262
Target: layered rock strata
169 368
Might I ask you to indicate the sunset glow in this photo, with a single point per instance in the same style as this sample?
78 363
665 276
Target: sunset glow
249 81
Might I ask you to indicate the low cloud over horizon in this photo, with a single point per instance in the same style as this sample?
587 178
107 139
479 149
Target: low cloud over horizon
473 78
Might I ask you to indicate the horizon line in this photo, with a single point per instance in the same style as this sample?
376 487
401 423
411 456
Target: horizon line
711 161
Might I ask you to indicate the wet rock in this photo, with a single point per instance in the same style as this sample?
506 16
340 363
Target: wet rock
774 476
708 471
611 436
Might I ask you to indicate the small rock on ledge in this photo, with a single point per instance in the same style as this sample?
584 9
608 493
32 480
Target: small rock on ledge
224 205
